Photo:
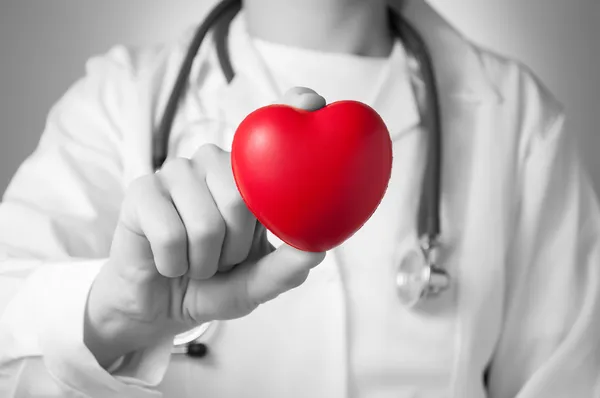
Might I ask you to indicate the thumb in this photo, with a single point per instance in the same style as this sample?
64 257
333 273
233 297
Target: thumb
278 272
236 293
303 98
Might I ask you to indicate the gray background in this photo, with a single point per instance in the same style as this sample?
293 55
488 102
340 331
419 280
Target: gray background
44 45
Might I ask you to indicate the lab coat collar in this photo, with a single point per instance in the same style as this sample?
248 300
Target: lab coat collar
459 71
253 87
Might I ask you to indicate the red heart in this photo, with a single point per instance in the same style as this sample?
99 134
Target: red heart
312 178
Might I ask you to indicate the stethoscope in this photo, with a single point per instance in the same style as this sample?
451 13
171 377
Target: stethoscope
418 275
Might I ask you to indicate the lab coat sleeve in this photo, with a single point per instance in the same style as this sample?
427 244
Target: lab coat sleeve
550 343
56 223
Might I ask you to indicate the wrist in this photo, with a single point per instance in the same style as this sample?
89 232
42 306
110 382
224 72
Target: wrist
101 333
108 332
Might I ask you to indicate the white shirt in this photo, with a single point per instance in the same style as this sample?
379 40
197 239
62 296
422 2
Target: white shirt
380 336
521 238
335 76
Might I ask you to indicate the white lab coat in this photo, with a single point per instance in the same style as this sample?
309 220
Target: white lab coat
520 232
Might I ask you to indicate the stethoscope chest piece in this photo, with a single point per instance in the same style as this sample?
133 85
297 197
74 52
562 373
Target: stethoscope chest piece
418 277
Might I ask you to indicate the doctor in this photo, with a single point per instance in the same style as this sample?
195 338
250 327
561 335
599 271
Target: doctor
103 262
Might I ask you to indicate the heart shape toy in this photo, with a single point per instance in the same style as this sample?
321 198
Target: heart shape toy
312 178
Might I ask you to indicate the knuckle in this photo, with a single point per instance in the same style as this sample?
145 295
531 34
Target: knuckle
211 227
206 234
235 206
208 153
175 166
172 238
137 191
141 186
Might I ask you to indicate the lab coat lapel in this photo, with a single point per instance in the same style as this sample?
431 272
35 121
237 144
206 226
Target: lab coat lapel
458 68
468 101
140 128
152 88
397 102
251 87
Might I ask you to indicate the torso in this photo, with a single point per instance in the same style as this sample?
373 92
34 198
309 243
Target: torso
343 333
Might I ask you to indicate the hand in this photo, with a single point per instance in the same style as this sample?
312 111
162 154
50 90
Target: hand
186 251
